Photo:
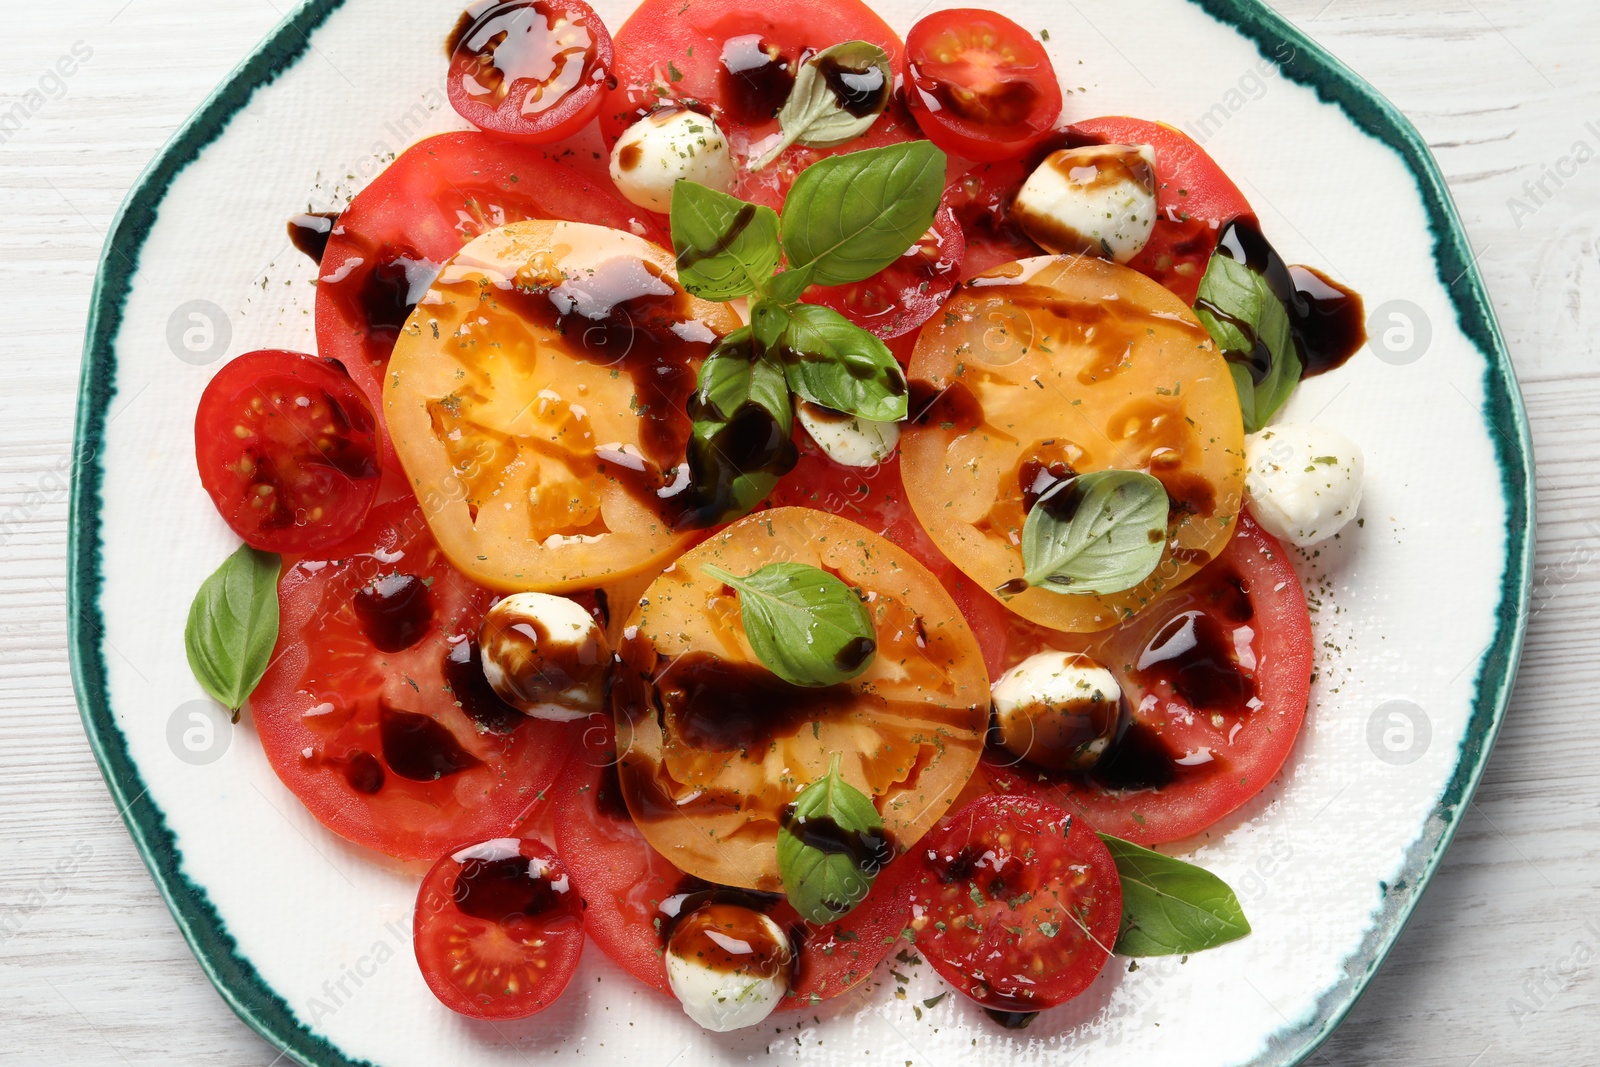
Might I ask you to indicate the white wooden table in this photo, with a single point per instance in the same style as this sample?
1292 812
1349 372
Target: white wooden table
1498 966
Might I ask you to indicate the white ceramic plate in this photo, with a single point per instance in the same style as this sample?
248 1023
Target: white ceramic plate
1417 613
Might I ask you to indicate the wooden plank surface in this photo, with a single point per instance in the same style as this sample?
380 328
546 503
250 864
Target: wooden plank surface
1499 964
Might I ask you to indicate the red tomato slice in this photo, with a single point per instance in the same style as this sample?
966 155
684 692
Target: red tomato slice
1238 631
533 70
439 194
980 86
375 711
632 893
288 450
907 293
498 929
736 60
1194 200
1015 903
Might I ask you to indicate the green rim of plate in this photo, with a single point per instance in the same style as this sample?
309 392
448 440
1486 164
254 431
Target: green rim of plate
237 980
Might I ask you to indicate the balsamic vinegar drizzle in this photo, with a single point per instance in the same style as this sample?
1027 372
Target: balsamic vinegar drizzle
869 850
309 232
1328 321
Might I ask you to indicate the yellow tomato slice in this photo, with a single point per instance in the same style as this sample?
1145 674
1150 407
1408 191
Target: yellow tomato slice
536 398
1059 365
712 746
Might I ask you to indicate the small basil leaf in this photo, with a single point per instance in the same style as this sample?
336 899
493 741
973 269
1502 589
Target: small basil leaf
1251 327
786 286
1170 907
233 625
837 96
739 439
804 625
1101 532
735 375
831 361
831 846
849 216
769 320
726 247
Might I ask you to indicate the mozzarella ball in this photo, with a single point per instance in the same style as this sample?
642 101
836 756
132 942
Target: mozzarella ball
852 441
1057 709
1099 200
545 656
666 146
728 966
1302 481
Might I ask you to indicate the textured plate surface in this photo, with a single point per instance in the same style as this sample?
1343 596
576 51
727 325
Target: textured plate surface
1417 613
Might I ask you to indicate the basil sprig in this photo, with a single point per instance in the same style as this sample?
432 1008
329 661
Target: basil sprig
831 846
233 626
1101 532
814 114
1170 907
727 248
1251 326
804 625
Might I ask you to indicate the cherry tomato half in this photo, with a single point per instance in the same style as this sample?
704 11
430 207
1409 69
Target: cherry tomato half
980 85
533 70
498 929
288 450
1016 903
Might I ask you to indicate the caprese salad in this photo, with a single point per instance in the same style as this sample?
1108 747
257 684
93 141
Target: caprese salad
844 511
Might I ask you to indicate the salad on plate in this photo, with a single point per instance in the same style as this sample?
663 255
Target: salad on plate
771 492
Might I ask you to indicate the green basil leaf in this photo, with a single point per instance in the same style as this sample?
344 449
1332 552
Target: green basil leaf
831 846
804 625
849 216
726 247
233 625
1170 907
831 361
815 115
769 320
1101 532
786 286
735 374
1239 309
738 387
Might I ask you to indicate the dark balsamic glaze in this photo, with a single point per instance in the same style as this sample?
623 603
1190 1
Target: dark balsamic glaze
391 289
742 942
609 799
1038 479
1011 1020
463 673
1327 320
869 850
755 79
1195 657
360 769
857 92
855 653
309 232
630 155
1137 759
720 706
395 611
502 890
419 749
954 406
